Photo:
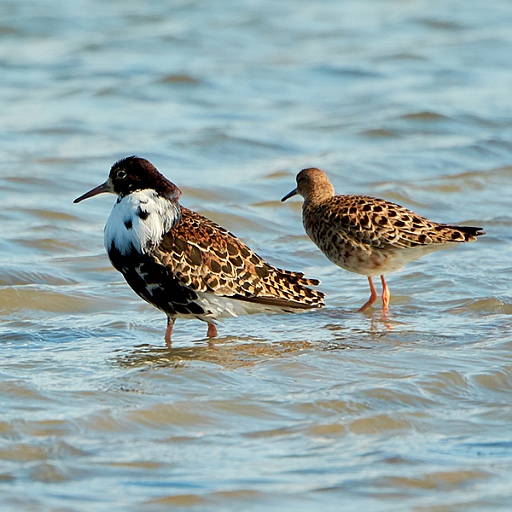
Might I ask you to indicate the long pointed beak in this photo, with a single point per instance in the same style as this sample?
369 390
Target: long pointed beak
291 194
100 189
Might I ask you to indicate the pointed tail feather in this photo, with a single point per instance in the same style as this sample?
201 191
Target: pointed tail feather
463 233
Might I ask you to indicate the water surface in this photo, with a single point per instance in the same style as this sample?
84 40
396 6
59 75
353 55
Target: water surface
327 410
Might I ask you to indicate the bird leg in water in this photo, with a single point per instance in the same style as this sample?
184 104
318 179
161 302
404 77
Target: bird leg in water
385 294
168 331
373 295
212 331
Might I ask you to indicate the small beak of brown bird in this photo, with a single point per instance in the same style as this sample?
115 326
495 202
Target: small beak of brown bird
291 194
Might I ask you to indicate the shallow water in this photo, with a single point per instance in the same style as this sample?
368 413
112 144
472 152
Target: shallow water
327 410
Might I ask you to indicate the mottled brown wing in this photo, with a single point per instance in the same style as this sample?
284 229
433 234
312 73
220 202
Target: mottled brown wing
376 223
206 257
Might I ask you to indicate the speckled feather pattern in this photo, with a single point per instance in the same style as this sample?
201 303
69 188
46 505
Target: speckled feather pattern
207 258
197 268
372 236
367 235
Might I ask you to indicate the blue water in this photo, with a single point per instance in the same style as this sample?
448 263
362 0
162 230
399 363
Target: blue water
329 410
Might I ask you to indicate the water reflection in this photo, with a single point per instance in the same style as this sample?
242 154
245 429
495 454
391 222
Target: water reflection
228 352
233 352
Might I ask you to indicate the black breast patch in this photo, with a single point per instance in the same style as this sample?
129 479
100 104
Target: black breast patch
142 214
155 283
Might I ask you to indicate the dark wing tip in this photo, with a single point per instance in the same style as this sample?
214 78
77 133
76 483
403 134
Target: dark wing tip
472 231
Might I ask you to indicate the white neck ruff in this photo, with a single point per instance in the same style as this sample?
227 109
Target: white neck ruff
139 221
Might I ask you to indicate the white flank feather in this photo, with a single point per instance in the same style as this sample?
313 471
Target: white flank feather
221 307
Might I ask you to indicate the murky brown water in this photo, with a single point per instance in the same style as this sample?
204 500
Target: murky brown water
328 410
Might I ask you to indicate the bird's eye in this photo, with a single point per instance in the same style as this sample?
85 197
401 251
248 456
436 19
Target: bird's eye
121 175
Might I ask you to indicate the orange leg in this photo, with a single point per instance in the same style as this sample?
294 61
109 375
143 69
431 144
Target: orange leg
168 332
212 331
373 296
385 294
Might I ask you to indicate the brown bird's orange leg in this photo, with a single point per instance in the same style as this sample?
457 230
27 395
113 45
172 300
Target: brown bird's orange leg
212 331
373 295
168 332
385 294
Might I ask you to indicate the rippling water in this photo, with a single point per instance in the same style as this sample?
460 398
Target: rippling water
328 410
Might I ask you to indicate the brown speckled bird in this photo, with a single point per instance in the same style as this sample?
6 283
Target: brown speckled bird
183 263
369 236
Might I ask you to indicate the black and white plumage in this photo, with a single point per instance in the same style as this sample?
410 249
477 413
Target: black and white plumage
183 263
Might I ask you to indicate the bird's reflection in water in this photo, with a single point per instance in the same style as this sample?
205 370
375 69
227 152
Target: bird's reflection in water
228 351
234 352
332 329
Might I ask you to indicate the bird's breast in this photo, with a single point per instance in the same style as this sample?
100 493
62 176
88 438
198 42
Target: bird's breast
139 221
